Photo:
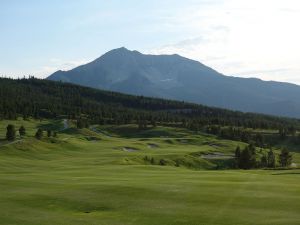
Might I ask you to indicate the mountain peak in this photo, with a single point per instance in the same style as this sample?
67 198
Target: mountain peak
180 78
121 49
121 52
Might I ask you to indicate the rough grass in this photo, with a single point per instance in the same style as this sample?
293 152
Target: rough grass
76 179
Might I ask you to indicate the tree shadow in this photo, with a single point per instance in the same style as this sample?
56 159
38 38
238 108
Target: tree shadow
289 173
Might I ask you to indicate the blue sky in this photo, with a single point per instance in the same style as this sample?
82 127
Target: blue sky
258 38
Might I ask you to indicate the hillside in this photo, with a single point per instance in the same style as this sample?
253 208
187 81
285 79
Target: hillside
179 78
48 99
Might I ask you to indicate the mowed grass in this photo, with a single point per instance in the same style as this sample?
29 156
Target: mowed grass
87 178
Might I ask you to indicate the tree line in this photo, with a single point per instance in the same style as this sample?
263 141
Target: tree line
11 132
248 158
259 138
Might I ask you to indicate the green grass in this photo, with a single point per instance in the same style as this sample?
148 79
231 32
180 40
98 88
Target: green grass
87 178
30 125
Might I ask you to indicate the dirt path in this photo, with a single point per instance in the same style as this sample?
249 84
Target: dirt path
66 125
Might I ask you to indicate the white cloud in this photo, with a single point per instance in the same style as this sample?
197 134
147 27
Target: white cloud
247 38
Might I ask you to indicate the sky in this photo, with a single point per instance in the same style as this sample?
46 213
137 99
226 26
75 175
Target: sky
246 38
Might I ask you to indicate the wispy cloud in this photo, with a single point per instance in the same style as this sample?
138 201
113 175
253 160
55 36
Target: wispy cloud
245 38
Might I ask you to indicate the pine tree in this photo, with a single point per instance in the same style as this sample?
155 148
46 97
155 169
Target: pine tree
264 161
10 132
248 157
22 131
81 123
271 159
282 132
285 158
153 123
39 134
152 161
237 156
259 140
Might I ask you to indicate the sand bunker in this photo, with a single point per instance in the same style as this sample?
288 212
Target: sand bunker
129 149
216 155
151 145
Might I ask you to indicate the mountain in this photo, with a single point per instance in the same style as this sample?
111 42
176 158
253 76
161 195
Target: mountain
180 78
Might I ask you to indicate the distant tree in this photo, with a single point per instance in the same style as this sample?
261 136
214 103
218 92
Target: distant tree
245 159
153 123
282 132
252 148
86 124
152 161
285 158
237 156
245 136
146 158
142 124
79 124
39 134
259 140
264 161
162 162
292 130
82 123
297 139
10 132
22 131
271 159
248 158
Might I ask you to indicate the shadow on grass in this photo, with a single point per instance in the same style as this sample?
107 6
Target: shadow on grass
52 125
135 132
289 173
71 131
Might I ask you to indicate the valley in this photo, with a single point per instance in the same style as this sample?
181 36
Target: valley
109 174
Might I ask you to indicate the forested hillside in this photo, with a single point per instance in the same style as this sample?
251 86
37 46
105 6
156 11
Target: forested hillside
48 99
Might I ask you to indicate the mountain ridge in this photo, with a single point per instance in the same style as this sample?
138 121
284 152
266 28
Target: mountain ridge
179 78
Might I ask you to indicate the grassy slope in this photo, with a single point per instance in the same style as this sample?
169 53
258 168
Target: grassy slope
87 178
